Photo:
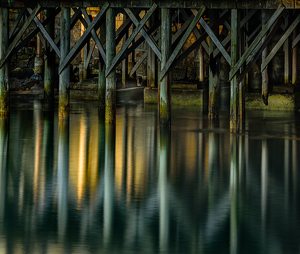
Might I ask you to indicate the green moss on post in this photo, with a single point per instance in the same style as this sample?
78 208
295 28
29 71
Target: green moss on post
165 84
110 98
64 77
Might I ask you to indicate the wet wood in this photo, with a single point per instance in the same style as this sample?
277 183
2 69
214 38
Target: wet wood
181 43
101 75
16 23
110 97
264 74
256 41
83 39
138 64
131 38
294 58
286 72
19 35
280 42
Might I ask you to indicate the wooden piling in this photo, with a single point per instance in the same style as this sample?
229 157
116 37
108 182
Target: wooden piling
4 70
242 84
101 75
49 65
294 59
201 63
165 84
64 77
233 82
85 61
264 74
151 61
214 71
110 99
125 75
286 56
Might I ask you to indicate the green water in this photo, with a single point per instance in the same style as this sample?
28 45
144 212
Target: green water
85 187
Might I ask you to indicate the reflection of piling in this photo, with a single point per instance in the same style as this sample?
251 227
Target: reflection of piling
4 135
64 77
164 164
110 99
49 64
62 177
165 84
109 167
4 70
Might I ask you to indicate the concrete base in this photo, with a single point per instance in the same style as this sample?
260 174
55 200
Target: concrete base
290 102
196 97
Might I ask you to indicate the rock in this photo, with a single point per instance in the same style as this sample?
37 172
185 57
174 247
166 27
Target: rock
14 83
29 83
23 63
179 74
21 73
191 73
37 89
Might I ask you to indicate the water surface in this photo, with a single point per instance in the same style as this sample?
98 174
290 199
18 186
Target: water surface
86 187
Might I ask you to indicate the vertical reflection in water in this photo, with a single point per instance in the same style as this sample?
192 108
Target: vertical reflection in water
37 115
286 169
109 167
83 156
62 177
233 195
264 180
4 133
164 163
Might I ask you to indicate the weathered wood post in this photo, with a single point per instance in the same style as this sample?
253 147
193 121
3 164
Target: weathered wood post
165 84
85 61
294 58
49 64
125 75
101 75
39 61
214 71
4 71
264 74
110 99
286 55
233 82
151 61
64 77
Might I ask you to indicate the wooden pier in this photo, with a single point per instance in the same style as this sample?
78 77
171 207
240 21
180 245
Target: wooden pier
249 27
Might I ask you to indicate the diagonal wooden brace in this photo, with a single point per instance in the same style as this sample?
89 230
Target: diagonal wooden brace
79 44
256 41
149 40
20 15
181 43
130 39
280 42
137 65
12 45
45 33
94 35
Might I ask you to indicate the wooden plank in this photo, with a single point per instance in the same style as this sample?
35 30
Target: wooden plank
79 44
94 35
16 23
215 40
181 42
196 31
12 45
149 40
137 65
45 33
196 43
130 39
295 41
280 42
258 54
257 40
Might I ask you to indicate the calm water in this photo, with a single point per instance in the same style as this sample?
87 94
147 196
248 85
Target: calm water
90 188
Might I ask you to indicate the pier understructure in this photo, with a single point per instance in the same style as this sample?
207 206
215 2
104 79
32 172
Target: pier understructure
240 34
